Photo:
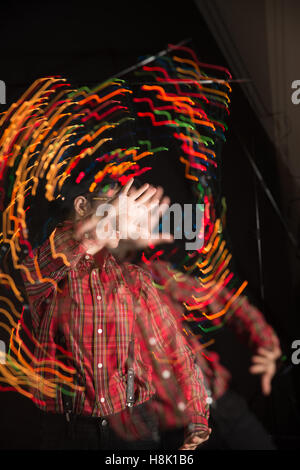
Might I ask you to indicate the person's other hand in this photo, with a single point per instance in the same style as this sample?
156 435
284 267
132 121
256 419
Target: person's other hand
195 440
264 363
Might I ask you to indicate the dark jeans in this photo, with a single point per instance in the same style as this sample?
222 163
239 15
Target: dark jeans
235 427
88 433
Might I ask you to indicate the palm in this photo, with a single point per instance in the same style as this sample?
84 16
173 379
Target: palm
264 363
143 218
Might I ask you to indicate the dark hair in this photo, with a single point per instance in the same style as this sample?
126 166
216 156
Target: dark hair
43 221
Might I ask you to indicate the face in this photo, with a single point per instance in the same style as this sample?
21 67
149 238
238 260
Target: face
104 198
86 206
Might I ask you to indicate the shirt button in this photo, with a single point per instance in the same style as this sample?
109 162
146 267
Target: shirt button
104 422
181 406
87 257
99 297
100 331
100 365
102 400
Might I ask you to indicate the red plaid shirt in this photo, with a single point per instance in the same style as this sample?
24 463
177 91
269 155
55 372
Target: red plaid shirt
91 302
244 319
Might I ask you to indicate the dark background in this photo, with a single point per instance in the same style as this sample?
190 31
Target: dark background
89 43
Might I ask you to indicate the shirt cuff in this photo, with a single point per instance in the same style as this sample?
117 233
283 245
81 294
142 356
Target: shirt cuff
199 425
201 431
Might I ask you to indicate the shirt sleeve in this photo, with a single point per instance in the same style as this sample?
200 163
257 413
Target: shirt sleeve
243 318
49 264
170 343
249 324
177 285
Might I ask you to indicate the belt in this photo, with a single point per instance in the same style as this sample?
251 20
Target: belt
55 417
72 420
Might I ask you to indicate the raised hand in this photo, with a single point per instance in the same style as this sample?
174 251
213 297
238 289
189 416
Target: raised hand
194 440
86 230
264 363
123 216
146 218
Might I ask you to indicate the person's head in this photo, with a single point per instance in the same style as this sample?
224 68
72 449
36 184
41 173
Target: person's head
87 203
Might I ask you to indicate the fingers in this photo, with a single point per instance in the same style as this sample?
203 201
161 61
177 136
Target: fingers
265 352
271 355
153 203
198 438
147 198
157 195
192 446
166 200
146 195
159 211
264 365
193 441
258 369
159 192
127 187
164 205
266 381
260 360
188 447
136 193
